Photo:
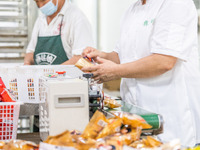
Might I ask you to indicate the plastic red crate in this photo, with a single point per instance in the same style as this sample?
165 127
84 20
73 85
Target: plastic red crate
9 115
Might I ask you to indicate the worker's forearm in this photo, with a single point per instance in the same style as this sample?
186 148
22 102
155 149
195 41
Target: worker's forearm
149 66
72 60
28 59
113 56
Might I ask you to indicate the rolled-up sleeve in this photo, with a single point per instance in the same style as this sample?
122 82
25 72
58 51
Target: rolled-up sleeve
169 29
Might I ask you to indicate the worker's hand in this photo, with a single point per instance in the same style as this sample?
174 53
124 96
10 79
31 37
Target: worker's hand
91 53
105 71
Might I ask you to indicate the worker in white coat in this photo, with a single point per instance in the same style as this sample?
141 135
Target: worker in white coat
60 34
157 59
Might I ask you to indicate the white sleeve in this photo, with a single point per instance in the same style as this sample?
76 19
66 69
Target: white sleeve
82 36
32 44
117 48
169 29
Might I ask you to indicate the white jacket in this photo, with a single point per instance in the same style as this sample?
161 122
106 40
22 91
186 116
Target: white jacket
166 27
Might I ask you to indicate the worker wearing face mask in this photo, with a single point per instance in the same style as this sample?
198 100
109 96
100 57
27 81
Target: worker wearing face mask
59 35
157 58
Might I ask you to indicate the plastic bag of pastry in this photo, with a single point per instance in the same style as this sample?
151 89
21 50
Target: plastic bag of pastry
86 145
118 140
133 120
84 62
1 142
153 142
96 124
111 128
138 144
126 129
115 142
20 145
149 142
132 136
111 103
63 139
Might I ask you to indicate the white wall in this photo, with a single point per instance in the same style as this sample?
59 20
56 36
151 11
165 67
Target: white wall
105 19
89 7
110 17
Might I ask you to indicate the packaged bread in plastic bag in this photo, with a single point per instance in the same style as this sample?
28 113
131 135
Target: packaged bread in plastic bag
133 120
149 142
20 145
2 143
112 127
118 140
85 144
63 139
95 126
83 62
111 103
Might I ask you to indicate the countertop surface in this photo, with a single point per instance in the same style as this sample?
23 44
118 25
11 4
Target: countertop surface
33 137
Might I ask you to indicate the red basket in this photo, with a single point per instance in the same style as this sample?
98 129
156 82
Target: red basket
9 114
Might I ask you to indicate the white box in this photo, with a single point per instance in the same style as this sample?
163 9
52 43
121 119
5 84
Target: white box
66 106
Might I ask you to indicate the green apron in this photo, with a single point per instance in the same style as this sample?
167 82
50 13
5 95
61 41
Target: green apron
49 50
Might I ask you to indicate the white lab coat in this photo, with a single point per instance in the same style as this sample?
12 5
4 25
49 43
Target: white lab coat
166 27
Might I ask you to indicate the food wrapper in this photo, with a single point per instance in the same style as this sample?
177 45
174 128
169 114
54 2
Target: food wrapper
69 139
7 96
20 145
118 140
83 62
111 103
64 139
2 144
83 144
115 142
95 126
133 120
149 142
86 145
111 128
153 142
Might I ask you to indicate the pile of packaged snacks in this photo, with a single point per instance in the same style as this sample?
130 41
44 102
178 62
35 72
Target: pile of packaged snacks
111 103
112 133
18 145
118 133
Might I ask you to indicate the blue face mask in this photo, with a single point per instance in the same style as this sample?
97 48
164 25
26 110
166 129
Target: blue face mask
49 8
